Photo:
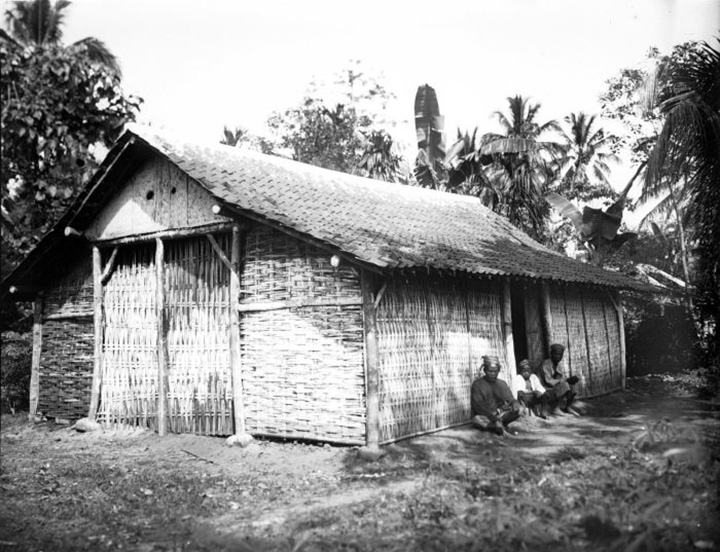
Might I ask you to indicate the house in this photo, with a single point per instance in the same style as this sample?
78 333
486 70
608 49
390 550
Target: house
206 289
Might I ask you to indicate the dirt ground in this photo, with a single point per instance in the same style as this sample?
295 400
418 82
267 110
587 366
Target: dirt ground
638 469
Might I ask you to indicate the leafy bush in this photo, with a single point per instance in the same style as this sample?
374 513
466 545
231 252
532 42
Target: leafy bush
15 365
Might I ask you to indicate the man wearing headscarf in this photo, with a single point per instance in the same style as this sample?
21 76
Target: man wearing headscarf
559 387
531 393
493 405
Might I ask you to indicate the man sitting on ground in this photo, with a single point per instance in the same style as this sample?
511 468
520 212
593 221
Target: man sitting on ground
559 387
530 391
493 405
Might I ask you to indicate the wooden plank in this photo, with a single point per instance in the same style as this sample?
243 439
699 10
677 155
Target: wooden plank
36 352
235 354
168 234
299 303
98 329
372 435
162 344
507 329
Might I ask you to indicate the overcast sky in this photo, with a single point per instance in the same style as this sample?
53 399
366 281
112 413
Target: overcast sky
201 65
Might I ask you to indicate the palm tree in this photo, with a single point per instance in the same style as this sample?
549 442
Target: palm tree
378 159
38 24
583 171
520 168
686 157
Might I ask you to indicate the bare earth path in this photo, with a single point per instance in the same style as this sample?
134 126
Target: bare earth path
560 479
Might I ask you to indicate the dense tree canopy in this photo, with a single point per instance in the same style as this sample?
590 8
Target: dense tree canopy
58 105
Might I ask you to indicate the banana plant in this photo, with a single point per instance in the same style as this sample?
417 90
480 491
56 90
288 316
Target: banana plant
598 230
430 170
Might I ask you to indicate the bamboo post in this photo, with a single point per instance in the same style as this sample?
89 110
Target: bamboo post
617 303
162 346
235 356
588 343
508 331
36 352
372 433
98 329
547 316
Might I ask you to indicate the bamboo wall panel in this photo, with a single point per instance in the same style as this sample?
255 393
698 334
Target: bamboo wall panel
613 333
431 339
586 323
303 371
198 317
484 302
66 357
597 344
158 197
128 395
577 359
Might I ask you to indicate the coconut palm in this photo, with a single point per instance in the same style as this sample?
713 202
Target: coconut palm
686 156
520 168
583 171
39 23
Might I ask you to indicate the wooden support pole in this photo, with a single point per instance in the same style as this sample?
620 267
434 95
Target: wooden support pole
36 352
508 332
235 354
98 329
617 303
162 346
588 344
372 432
547 317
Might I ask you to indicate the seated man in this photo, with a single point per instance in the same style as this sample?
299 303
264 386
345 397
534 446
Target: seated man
531 393
559 387
493 406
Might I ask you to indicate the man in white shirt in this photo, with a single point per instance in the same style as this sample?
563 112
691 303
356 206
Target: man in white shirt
530 391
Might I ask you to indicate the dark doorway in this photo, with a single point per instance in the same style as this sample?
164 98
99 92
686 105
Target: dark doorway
517 304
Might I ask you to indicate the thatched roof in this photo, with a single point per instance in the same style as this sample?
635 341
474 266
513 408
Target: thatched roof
389 226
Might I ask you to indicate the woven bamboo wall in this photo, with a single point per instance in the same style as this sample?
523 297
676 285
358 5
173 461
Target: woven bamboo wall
197 299
585 321
128 395
66 358
431 339
302 360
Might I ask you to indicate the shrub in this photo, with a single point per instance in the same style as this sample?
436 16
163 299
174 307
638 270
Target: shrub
15 365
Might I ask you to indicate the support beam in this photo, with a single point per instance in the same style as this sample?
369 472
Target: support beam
162 346
109 267
98 329
617 303
508 331
169 234
36 352
71 232
235 356
547 317
372 432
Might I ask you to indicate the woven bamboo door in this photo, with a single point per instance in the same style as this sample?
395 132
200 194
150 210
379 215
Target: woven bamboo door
128 394
196 312
199 390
